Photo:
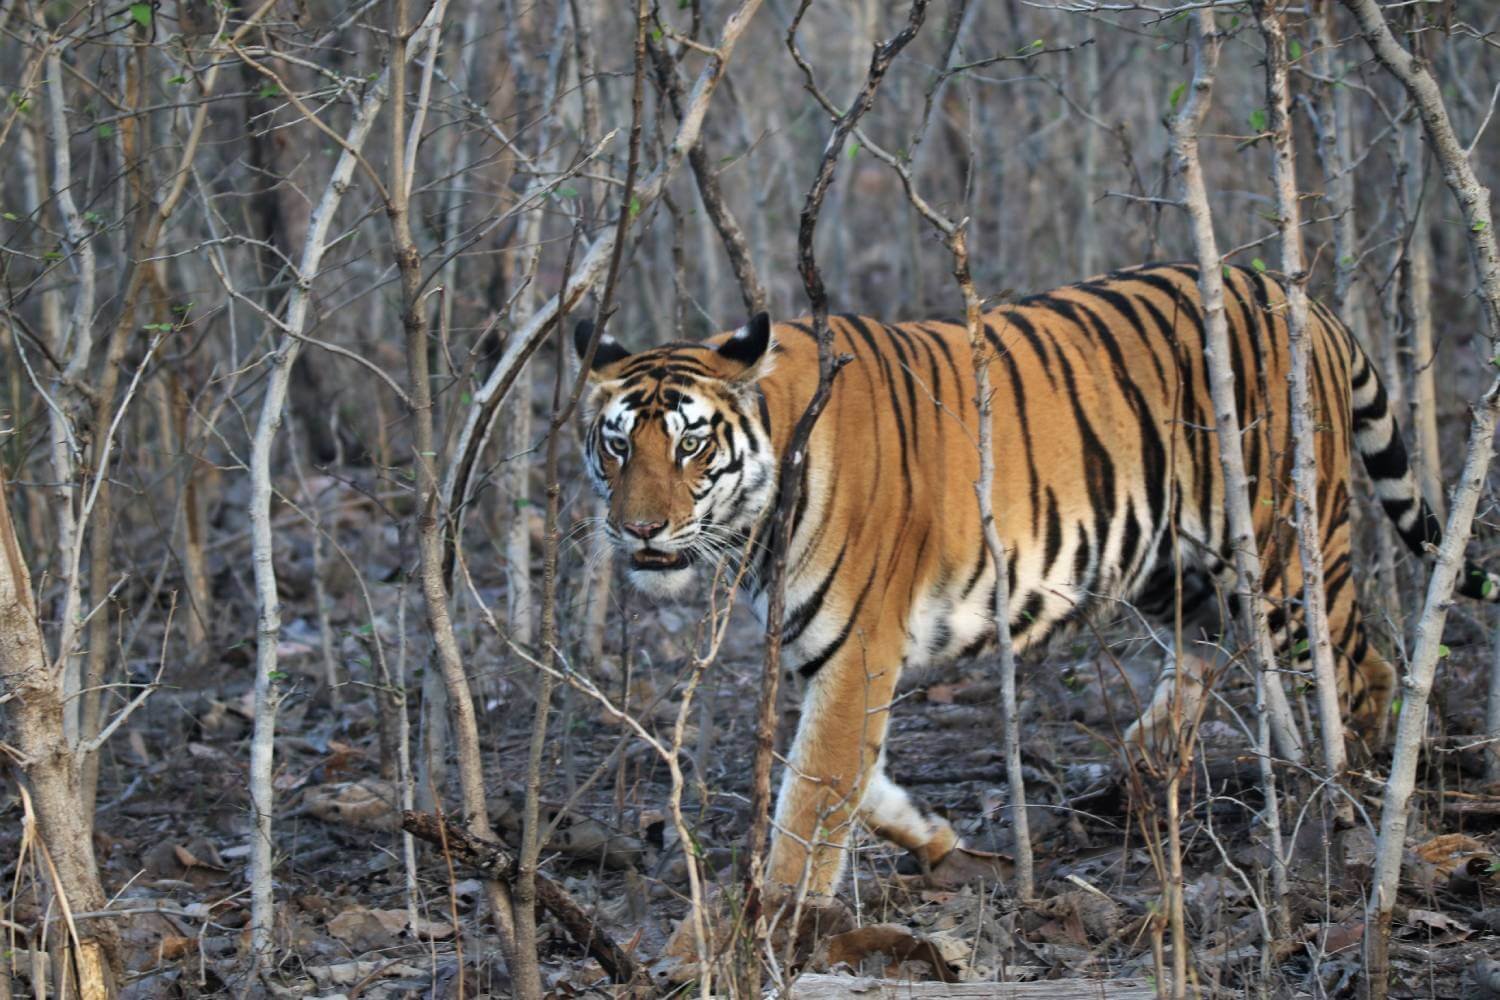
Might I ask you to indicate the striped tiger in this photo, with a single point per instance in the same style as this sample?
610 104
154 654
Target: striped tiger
1108 486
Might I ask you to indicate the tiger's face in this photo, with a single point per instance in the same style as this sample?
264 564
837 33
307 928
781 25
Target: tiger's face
677 444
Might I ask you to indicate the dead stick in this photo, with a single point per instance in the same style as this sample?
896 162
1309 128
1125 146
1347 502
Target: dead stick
497 862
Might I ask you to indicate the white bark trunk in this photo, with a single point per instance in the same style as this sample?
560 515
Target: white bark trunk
1221 383
1275 723
1304 426
268 628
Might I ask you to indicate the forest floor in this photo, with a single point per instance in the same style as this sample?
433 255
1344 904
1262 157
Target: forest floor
173 820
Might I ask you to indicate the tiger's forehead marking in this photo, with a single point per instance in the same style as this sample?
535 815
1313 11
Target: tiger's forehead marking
668 385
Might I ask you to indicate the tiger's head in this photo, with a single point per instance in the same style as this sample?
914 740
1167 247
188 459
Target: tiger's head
678 444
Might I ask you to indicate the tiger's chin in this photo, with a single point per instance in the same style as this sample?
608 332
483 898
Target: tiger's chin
660 574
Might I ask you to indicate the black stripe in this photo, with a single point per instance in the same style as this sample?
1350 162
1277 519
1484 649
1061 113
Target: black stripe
1023 417
1053 542
858 324
815 664
1154 451
800 618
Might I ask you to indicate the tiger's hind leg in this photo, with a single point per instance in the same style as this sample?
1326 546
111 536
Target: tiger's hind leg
1181 690
1189 670
1367 685
1366 680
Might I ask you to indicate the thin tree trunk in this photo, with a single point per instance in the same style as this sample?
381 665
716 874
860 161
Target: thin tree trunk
1423 361
268 627
429 514
1335 127
1279 724
1304 439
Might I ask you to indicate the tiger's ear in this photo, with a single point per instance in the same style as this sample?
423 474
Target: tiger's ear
751 347
607 353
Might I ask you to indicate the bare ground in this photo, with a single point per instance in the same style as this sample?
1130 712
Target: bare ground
173 823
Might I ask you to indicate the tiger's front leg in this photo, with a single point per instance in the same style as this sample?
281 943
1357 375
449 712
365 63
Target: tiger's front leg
833 761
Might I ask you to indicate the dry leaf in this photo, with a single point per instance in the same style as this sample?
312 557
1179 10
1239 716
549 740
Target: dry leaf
889 948
175 946
433 930
197 863
369 804
349 973
1448 851
1437 928
366 930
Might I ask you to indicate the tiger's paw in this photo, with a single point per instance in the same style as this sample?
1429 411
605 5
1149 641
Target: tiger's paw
965 865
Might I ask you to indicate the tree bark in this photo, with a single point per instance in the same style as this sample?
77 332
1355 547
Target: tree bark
89 961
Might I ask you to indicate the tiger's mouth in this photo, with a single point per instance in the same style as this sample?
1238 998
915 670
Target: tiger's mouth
656 561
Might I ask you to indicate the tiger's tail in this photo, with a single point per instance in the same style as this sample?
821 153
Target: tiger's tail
1378 438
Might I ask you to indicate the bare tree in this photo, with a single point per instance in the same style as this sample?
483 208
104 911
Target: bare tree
1276 729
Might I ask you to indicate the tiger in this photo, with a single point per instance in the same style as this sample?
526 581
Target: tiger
1108 489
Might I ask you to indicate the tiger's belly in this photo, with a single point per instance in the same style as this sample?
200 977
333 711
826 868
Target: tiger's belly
946 623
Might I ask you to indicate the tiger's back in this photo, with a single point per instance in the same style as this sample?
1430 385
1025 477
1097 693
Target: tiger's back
1104 445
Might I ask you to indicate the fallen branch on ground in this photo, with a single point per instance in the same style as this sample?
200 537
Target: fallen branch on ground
495 861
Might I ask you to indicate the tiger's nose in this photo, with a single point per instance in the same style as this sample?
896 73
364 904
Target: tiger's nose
644 530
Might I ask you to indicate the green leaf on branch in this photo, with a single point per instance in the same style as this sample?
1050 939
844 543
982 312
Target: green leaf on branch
1258 264
1294 49
140 13
1175 98
1259 119
1443 651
